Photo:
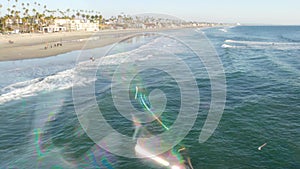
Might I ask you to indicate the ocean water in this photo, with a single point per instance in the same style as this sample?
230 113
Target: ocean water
40 126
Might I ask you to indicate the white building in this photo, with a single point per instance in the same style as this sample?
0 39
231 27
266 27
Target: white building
62 22
53 28
61 25
83 25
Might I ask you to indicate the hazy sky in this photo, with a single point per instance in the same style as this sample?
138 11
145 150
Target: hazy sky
243 11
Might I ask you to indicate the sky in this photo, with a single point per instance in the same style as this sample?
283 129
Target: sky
274 12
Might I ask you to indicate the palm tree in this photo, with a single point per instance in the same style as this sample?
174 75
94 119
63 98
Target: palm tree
33 18
27 18
23 7
51 18
8 6
16 3
40 18
3 21
68 11
78 14
96 17
100 19
12 12
26 11
57 12
8 11
17 17
14 9
87 17
24 20
63 14
45 9
0 9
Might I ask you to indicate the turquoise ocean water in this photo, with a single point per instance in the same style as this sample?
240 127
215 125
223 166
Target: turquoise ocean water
40 129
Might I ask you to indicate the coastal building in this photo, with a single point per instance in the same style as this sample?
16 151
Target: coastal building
9 22
83 25
63 25
53 28
59 25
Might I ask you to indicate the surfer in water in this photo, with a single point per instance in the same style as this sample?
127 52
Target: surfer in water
92 58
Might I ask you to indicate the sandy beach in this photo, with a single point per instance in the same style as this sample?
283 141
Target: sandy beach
25 46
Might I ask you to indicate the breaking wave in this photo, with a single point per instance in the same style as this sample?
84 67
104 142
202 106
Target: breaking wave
261 45
231 46
64 79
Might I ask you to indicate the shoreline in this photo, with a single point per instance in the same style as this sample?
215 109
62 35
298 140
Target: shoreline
28 46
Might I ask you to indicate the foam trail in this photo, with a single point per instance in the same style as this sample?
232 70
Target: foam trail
260 147
231 46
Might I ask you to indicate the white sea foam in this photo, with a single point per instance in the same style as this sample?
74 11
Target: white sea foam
18 85
223 30
231 46
59 81
200 30
264 44
64 80
260 42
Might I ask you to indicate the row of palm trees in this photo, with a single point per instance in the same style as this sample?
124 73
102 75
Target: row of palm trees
29 17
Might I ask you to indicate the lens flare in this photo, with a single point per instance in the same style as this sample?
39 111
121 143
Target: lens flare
146 105
175 167
147 154
38 144
177 157
98 158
